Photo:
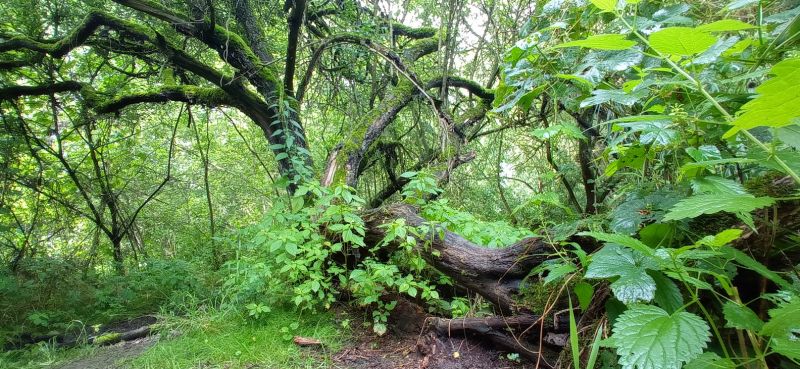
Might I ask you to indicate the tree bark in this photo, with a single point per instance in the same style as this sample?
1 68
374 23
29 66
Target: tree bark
495 274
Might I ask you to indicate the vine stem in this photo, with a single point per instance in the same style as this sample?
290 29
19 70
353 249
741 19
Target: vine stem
699 85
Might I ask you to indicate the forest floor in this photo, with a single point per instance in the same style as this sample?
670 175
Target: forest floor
223 342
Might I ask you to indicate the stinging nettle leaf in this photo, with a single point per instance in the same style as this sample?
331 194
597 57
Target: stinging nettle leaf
682 41
715 185
741 317
783 326
647 337
777 103
697 205
601 42
634 284
620 239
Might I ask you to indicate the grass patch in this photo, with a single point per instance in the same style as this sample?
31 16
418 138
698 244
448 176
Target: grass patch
42 355
208 340
229 341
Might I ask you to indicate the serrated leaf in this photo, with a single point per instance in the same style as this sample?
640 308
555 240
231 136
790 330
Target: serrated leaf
697 205
620 239
682 41
783 319
605 5
789 347
710 360
725 25
717 185
741 317
752 264
657 132
634 284
557 271
647 337
777 103
601 42
616 96
783 326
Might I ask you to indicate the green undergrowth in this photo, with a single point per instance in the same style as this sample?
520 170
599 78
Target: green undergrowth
209 340
223 341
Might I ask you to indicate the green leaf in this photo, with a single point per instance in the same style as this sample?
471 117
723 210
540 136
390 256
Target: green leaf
717 185
584 291
697 205
668 296
741 317
647 337
653 131
783 319
605 5
573 338
616 96
657 234
777 103
634 284
783 326
557 271
620 239
681 41
749 263
720 239
291 248
601 42
710 360
725 25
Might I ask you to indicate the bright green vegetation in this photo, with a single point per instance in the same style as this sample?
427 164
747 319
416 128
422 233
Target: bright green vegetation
239 168
229 342
213 340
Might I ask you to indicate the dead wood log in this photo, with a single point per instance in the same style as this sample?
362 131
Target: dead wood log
495 274
113 338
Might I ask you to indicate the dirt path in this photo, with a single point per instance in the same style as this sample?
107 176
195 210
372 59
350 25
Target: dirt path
111 357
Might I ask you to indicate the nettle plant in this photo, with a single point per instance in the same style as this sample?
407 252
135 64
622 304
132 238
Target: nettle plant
690 112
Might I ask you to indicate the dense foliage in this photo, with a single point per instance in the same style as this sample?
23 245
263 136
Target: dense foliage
246 156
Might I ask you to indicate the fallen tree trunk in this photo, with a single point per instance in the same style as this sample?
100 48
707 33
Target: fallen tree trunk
495 274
